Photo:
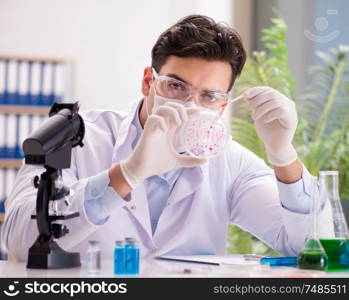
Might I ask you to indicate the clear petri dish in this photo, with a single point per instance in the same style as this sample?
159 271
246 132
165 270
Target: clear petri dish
204 134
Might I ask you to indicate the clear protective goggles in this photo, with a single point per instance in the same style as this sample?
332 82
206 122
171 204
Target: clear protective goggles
172 88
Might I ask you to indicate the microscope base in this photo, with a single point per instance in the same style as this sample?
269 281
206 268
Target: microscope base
49 255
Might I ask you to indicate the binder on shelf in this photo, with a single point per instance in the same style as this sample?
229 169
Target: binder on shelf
7 181
4 186
28 99
2 81
4 149
36 122
30 124
13 131
35 84
48 80
18 81
47 96
24 125
18 153
11 83
5 82
52 85
2 136
59 83
24 84
11 136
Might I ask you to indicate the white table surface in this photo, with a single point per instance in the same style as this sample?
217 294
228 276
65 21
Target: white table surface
151 267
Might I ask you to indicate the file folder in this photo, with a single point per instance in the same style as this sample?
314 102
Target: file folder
11 82
28 100
2 81
18 147
5 87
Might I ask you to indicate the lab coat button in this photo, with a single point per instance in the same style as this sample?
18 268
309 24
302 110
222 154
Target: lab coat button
133 207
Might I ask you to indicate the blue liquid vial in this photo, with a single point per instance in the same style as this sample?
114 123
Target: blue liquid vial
119 258
132 257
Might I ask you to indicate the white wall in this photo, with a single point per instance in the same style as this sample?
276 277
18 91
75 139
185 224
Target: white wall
109 40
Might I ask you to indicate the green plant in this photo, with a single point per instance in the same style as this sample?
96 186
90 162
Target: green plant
263 69
322 137
322 140
240 241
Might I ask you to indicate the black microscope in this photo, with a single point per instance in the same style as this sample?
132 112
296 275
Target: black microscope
51 146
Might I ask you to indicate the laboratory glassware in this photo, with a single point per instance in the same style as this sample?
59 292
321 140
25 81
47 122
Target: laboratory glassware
313 256
336 242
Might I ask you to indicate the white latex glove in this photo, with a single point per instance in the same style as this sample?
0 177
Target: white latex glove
275 118
155 153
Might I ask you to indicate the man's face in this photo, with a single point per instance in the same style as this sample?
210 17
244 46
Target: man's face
200 73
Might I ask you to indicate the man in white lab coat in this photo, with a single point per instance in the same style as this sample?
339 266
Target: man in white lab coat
129 181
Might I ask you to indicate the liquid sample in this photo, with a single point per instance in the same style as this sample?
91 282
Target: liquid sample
119 260
132 260
312 261
313 256
337 251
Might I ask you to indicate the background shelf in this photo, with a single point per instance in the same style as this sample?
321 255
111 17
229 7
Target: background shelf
10 163
25 109
35 59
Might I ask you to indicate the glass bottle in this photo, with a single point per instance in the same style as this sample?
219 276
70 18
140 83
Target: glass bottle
336 243
313 256
119 258
132 256
93 257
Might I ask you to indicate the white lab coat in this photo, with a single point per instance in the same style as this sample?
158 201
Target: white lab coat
235 187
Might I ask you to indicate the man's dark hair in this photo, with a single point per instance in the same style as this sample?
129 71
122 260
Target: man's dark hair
200 36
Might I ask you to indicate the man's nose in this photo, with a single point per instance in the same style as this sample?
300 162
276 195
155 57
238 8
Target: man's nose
193 99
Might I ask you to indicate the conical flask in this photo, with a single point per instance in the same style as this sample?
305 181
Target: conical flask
313 255
336 242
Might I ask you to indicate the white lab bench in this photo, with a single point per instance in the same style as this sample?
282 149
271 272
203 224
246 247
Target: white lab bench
152 267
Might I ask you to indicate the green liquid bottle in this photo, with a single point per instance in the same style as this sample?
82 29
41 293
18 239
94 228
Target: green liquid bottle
337 251
336 243
313 255
312 258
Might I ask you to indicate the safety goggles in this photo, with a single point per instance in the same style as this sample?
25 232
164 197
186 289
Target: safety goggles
172 88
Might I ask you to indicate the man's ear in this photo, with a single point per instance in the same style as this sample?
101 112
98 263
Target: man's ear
146 81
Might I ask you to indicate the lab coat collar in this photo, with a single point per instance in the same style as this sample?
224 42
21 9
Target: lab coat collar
127 133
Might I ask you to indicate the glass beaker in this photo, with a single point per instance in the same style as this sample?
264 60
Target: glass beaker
335 243
313 256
